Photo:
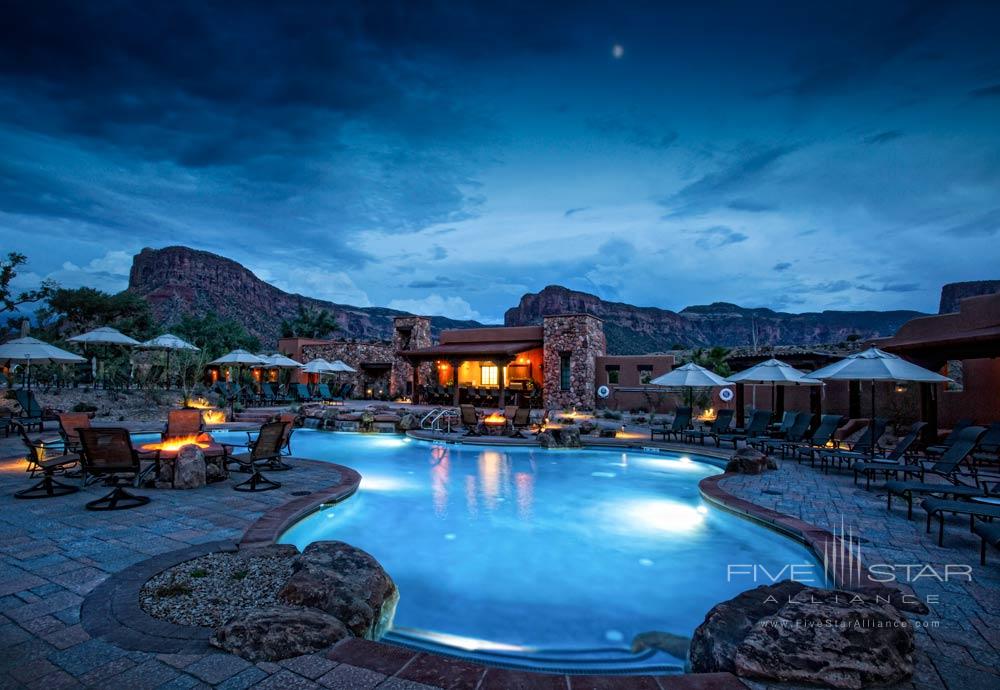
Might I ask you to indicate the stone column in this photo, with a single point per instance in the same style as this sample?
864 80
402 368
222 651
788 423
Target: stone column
581 337
409 333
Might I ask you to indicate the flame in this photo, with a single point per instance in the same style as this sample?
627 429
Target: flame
199 404
494 418
707 415
213 416
178 442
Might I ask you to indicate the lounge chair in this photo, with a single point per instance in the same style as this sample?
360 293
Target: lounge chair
795 434
865 446
108 453
265 449
987 452
788 418
41 459
302 393
946 469
6 421
323 393
186 422
682 418
974 509
286 441
891 463
345 392
69 425
759 421
989 532
267 395
470 420
823 435
721 422
939 449
31 411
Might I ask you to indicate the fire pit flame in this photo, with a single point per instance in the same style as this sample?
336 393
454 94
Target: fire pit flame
177 442
494 418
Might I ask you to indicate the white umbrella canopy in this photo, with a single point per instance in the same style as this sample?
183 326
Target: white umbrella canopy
690 376
280 361
318 366
337 365
33 351
775 372
104 336
877 365
168 341
238 358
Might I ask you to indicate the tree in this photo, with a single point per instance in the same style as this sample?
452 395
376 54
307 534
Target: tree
9 301
713 358
75 311
213 335
309 323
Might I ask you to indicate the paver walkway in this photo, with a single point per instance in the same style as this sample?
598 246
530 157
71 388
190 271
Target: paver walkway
53 552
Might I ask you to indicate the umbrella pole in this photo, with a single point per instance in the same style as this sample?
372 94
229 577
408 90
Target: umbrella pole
872 433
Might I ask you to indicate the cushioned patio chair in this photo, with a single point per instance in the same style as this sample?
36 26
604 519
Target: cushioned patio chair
185 422
470 420
974 509
267 395
42 460
107 453
946 470
719 425
848 453
31 412
302 393
816 442
286 441
69 425
346 391
987 451
759 421
897 458
323 393
265 450
682 419
989 532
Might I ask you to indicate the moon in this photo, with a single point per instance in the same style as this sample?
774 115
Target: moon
617 51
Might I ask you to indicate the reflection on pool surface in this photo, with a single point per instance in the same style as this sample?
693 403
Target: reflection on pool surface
517 550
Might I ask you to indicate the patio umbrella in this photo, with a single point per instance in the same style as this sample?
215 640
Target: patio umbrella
168 342
338 366
875 365
103 336
775 372
280 361
29 350
690 376
318 366
240 359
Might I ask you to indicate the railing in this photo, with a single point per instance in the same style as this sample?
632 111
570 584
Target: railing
439 419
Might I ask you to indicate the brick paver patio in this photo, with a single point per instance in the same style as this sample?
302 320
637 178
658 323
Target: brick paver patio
53 553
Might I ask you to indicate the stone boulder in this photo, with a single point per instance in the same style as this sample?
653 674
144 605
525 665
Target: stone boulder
675 645
566 437
184 471
278 632
408 421
346 583
714 642
747 461
788 632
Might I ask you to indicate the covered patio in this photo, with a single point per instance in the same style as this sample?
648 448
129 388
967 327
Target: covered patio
481 365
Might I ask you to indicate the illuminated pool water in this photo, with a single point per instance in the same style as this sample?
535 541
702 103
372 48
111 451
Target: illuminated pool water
539 558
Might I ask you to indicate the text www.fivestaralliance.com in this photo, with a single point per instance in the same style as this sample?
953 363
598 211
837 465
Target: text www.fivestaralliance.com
829 623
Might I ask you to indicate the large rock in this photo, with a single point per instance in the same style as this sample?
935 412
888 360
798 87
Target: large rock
831 638
279 632
790 632
747 461
714 642
184 471
346 583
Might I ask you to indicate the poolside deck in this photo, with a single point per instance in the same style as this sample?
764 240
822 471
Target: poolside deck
53 553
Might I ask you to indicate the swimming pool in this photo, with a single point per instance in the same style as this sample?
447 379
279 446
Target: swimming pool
546 559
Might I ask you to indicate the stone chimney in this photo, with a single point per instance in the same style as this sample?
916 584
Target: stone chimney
409 333
572 344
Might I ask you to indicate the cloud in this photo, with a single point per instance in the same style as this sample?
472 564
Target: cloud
453 307
781 266
634 133
891 287
883 137
984 225
750 206
116 263
573 211
711 190
438 253
992 91
332 286
718 236
832 286
437 282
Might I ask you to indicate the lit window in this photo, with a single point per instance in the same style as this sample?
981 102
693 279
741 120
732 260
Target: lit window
488 375
564 372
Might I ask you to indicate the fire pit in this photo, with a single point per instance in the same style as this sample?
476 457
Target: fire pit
495 422
169 447
209 413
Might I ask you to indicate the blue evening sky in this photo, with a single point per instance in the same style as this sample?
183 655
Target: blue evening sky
447 157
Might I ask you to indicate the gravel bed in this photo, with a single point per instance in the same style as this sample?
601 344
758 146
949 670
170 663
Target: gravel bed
211 589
